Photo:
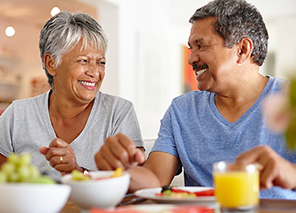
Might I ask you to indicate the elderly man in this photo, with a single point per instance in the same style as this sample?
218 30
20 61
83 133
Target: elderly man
228 43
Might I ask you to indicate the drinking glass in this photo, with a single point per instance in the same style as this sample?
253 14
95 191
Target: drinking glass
236 186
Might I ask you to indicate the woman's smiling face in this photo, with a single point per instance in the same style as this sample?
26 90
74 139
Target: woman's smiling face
80 73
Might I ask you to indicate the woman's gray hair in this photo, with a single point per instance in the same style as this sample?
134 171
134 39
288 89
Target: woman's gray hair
64 30
237 19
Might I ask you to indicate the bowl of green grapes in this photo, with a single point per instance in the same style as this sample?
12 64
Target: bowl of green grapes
24 189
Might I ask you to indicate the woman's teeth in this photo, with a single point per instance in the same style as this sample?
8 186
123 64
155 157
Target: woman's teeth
87 83
197 73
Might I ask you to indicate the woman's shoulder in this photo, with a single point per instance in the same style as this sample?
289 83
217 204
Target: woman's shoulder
29 101
29 106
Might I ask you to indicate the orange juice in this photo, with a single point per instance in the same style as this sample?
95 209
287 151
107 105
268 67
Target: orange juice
235 189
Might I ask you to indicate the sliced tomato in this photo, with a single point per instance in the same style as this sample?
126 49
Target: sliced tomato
210 192
179 190
192 209
101 178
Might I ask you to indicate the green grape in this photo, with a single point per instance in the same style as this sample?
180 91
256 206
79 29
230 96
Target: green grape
34 171
3 177
8 168
18 168
25 159
13 158
14 177
77 175
24 173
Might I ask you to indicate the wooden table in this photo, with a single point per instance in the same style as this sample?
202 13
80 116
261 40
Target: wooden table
266 206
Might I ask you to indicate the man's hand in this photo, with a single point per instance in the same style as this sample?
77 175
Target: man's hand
119 151
276 170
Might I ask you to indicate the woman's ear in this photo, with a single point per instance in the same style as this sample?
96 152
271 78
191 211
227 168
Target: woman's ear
50 64
245 50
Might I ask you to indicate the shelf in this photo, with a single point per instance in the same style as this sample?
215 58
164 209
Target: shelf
8 91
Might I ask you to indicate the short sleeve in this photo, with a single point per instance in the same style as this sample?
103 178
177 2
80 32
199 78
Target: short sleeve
165 141
6 123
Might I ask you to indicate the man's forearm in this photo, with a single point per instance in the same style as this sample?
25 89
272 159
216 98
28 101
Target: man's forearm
142 178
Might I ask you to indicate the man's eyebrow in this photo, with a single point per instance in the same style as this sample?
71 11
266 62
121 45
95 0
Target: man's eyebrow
197 41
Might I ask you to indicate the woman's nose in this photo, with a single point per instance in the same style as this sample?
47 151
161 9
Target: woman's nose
93 70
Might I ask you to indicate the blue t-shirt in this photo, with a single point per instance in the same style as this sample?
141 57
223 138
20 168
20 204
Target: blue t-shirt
194 131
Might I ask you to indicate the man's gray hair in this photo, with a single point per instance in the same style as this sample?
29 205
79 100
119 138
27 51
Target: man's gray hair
64 30
237 19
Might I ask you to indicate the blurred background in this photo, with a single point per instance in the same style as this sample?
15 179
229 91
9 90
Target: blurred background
147 53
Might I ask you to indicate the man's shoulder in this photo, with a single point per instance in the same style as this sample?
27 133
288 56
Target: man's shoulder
277 84
192 96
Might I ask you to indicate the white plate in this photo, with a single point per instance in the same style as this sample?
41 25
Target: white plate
150 194
163 208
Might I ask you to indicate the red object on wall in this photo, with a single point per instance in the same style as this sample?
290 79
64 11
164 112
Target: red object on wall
190 82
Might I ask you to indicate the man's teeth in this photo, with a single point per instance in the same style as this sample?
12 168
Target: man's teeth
200 72
87 83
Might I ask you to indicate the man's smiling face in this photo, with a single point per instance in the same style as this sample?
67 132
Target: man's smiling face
211 60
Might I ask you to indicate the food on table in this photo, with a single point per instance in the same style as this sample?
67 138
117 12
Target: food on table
180 193
18 168
77 175
117 172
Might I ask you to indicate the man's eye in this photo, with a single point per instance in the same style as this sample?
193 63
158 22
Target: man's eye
199 46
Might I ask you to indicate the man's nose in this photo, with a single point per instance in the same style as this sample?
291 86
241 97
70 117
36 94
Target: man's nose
193 57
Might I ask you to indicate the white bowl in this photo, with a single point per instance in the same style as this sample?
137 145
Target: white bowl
30 197
106 193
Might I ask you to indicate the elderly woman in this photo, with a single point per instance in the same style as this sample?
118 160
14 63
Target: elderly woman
66 126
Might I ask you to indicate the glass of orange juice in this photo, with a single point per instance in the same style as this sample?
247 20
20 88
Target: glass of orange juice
236 186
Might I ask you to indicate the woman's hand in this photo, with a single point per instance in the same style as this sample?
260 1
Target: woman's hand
276 170
60 156
119 151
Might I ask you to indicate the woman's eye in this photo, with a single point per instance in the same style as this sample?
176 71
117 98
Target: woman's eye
101 62
83 61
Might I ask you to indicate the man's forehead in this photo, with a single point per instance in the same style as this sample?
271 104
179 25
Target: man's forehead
202 27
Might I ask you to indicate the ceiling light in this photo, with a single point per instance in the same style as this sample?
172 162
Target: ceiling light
9 31
54 11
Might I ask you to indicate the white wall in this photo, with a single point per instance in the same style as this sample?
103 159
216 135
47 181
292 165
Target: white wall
24 49
147 57
144 58
147 51
285 65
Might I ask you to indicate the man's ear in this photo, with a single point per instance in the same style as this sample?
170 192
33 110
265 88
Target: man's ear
245 50
50 64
